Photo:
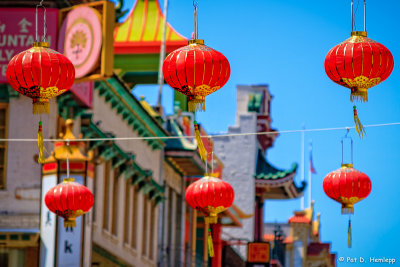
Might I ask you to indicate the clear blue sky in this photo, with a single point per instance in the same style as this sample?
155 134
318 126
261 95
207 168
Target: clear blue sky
284 44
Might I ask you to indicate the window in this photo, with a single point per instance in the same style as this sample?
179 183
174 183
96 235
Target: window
127 209
153 225
133 216
115 202
145 225
106 203
3 145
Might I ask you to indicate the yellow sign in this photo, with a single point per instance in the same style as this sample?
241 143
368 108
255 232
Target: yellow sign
258 252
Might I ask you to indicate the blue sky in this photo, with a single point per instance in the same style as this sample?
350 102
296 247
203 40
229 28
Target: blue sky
284 44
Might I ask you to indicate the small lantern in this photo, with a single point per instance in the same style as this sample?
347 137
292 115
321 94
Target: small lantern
347 186
69 200
211 196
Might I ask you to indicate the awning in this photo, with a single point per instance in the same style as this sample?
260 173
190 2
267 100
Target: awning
16 237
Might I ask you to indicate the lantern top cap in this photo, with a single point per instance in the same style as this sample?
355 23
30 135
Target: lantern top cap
68 180
41 44
196 41
347 165
359 33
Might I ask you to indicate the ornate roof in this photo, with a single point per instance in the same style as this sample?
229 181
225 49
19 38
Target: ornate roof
141 33
273 183
265 171
299 217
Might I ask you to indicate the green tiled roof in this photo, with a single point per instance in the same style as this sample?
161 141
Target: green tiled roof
181 143
116 92
266 171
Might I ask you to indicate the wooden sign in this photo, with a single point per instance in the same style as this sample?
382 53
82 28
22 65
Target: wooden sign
258 252
86 38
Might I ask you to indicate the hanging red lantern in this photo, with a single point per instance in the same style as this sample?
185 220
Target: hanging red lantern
196 71
347 186
40 73
359 63
211 196
69 200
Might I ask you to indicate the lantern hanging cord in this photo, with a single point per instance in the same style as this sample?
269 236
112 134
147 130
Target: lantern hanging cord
204 136
196 29
67 158
353 15
44 22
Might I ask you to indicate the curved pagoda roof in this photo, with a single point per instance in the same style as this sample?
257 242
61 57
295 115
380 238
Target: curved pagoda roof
273 183
141 33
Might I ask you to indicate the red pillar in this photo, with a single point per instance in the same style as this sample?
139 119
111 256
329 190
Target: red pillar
217 242
258 219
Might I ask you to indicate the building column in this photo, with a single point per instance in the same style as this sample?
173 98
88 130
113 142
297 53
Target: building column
216 234
258 219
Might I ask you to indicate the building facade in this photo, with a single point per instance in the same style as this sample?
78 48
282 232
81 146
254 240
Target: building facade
246 167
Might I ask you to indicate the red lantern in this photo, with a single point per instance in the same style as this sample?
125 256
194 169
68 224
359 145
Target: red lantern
69 200
40 73
196 71
347 186
211 196
359 63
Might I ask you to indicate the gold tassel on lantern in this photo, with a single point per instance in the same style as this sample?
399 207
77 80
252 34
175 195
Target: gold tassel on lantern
196 103
40 144
41 106
349 238
359 94
210 244
359 127
202 150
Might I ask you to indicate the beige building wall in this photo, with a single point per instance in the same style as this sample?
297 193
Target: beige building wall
110 231
112 122
20 200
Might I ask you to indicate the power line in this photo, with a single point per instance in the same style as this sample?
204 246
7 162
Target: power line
205 136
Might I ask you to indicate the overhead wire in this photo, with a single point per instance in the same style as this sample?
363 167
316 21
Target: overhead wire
203 136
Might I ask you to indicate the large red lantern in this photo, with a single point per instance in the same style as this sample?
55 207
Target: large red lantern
359 63
196 71
40 73
69 200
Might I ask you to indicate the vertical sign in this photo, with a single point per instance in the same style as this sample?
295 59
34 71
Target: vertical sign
48 222
69 243
17 32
